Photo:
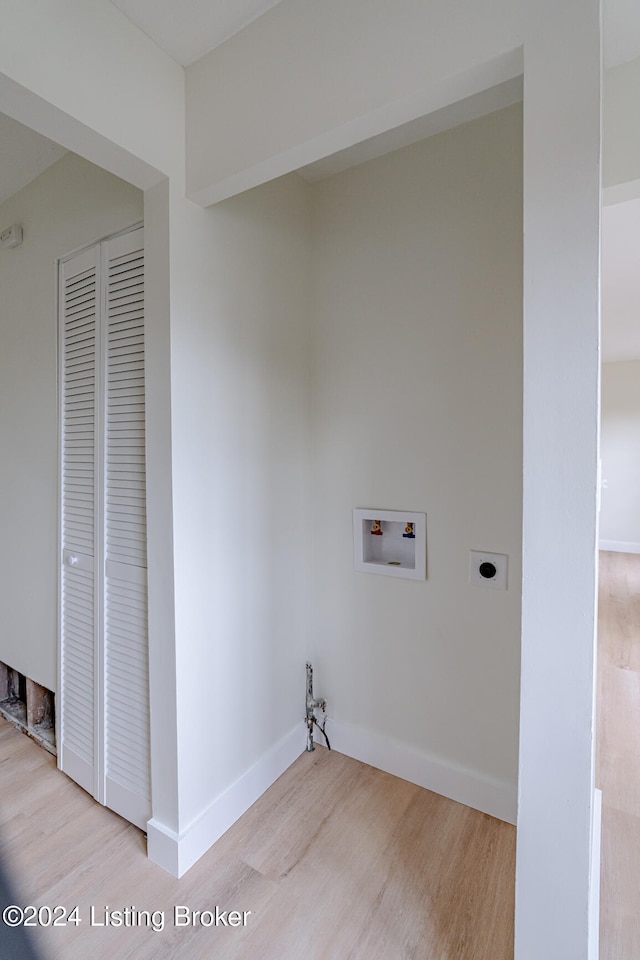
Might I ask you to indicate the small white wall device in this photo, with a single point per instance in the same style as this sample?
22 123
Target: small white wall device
488 569
11 237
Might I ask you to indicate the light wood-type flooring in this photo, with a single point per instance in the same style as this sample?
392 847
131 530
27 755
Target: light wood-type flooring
618 763
337 861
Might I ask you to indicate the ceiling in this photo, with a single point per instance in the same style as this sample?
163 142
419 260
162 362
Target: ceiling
187 29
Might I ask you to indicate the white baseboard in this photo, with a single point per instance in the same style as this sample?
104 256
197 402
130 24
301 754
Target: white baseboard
594 888
499 798
177 852
620 546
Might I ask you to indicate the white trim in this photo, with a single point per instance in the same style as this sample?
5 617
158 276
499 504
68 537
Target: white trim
177 852
594 889
620 546
496 797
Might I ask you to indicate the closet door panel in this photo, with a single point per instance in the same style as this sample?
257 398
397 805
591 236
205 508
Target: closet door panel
79 313
127 764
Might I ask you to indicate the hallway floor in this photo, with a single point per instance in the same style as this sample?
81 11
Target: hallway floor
618 764
337 861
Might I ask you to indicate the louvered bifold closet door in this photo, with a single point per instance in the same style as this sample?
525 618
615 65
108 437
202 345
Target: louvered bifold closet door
79 321
127 760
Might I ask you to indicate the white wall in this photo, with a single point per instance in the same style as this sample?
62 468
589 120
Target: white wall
621 134
71 204
417 387
620 452
240 428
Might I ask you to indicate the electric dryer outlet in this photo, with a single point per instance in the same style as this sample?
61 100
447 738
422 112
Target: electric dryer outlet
488 569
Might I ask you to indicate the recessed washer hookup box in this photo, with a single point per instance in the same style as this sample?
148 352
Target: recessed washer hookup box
391 543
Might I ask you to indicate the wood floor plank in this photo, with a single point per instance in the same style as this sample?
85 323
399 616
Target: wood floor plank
619 924
336 861
618 754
